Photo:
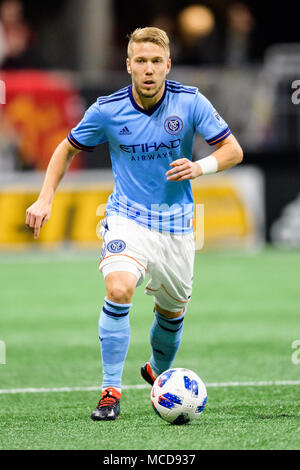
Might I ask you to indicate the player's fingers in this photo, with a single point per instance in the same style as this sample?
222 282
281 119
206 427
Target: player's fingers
45 219
36 232
178 176
179 161
178 168
27 217
186 177
37 226
31 221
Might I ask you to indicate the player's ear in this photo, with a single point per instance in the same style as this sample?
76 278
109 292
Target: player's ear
128 66
169 65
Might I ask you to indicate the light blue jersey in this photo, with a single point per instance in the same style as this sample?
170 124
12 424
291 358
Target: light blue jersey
142 145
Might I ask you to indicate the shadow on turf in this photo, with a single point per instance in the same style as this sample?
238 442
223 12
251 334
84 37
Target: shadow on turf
283 415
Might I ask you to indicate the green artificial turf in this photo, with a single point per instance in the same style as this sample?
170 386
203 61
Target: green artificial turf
240 325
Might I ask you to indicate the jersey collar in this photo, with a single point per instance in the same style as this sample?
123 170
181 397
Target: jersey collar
150 111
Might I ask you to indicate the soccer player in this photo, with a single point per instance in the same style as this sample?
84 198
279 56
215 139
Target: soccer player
148 229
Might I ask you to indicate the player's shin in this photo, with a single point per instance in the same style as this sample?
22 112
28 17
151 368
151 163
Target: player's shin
114 335
165 339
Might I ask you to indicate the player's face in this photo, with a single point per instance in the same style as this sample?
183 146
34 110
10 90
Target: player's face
148 66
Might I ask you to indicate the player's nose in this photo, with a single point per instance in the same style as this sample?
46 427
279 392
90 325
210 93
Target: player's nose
149 68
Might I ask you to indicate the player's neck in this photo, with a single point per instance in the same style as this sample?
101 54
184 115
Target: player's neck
144 102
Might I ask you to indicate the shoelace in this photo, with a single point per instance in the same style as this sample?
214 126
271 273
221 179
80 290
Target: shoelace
107 400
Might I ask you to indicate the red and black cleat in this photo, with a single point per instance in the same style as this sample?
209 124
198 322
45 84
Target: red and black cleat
108 407
147 373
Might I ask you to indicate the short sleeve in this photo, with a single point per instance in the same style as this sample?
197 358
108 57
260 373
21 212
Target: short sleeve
89 132
208 123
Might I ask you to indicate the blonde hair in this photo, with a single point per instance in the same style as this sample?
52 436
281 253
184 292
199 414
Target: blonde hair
149 34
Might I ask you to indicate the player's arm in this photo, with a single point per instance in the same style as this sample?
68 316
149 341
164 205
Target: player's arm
228 154
39 213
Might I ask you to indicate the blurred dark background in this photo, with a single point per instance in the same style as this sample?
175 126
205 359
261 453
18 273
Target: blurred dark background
57 23
243 55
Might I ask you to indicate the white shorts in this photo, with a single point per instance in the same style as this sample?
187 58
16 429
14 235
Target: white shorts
167 259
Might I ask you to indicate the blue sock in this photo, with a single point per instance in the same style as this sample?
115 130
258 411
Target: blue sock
114 335
165 339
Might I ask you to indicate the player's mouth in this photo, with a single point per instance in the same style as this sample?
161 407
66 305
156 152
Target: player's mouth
149 83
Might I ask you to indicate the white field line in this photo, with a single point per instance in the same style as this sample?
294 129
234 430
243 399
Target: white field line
274 383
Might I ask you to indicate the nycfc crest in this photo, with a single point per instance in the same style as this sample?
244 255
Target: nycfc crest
173 125
116 246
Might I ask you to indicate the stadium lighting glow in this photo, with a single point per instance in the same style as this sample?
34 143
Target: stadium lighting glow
196 20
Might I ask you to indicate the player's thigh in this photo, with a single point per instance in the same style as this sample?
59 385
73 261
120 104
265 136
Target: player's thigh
123 249
171 278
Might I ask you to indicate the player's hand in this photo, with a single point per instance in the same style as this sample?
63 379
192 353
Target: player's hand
37 215
183 169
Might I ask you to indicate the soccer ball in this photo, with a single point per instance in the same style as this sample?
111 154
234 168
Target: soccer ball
178 396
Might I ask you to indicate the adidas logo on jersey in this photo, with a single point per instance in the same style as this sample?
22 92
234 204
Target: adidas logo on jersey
125 131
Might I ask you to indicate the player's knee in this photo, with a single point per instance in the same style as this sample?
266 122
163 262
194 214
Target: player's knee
120 287
120 293
167 314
